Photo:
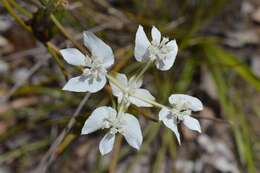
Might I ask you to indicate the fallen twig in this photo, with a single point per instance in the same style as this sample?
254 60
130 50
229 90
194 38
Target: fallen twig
50 156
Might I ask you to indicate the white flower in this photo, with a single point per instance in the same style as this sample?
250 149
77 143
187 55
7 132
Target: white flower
162 51
182 107
124 123
93 77
130 91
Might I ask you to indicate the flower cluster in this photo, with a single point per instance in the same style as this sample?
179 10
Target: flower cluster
160 51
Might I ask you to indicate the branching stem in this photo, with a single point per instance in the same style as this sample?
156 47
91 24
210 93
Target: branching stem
156 104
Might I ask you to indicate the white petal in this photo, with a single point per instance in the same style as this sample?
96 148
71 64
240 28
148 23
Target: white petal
141 43
173 45
97 84
76 85
132 131
169 123
122 80
74 57
192 123
96 120
163 114
106 144
156 35
166 63
99 49
141 93
169 58
194 103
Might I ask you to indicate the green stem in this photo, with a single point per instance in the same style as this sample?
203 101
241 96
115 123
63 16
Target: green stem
122 107
54 52
21 9
8 7
147 65
115 82
66 34
116 153
153 102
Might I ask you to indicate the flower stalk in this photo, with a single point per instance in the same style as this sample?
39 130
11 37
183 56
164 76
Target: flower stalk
140 75
152 102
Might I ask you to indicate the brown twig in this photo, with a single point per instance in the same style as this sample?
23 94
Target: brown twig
50 156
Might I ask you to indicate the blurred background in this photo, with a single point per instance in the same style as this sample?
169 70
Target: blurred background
218 61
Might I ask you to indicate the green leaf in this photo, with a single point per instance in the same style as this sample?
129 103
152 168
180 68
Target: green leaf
236 116
226 59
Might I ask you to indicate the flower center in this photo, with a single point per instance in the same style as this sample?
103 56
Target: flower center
93 72
115 124
97 67
179 111
159 51
126 93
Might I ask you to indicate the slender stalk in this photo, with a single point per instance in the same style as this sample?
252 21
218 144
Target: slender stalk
156 104
152 102
66 34
160 156
21 9
112 168
50 156
114 81
54 52
172 151
122 106
150 133
8 7
140 75
29 15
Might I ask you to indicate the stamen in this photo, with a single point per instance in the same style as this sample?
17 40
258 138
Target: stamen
159 52
113 130
83 77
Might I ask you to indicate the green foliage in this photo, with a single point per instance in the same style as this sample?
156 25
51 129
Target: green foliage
235 115
224 59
